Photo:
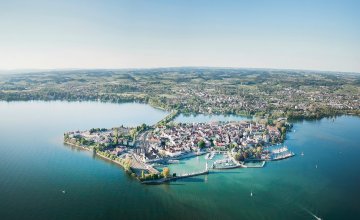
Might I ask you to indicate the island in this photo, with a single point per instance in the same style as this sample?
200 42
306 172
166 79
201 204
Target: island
272 96
139 150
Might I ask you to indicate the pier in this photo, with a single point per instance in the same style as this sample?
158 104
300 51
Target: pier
228 167
254 164
164 180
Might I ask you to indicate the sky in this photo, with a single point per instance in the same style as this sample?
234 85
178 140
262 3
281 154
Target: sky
302 34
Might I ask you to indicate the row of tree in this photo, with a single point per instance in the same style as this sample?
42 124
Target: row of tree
153 176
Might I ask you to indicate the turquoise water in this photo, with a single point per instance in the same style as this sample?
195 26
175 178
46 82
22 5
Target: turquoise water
191 165
35 167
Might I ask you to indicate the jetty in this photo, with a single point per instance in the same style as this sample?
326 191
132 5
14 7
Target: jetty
164 180
280 150
283 155
254 164
228 167
280 153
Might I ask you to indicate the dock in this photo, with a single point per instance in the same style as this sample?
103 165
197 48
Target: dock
228 167
261 164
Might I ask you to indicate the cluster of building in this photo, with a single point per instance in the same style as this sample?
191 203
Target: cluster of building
299 100
181 139
115 137
208 101
164 142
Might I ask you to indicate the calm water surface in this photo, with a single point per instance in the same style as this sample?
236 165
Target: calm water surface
35 167
208 118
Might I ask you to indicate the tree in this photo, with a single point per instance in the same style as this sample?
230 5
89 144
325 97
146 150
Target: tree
116 134
201 144
127 164
166 172
143 126
259 149
245 155
283 130
239 157
232 145
133 133
142 174
212 143
279 125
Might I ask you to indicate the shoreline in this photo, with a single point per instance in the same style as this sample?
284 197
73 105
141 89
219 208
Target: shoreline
146 182
294 118
88 149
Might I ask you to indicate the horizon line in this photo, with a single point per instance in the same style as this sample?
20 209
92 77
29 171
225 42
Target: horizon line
35 70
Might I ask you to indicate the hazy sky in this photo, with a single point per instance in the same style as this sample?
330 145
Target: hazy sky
301 34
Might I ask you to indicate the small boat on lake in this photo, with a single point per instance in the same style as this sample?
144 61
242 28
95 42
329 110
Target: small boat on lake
283 155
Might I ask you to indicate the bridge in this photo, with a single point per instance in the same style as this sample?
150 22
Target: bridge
168 118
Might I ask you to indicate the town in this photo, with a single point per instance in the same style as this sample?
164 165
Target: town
275 93
139 150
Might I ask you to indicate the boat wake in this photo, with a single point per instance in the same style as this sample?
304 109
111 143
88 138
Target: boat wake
312 214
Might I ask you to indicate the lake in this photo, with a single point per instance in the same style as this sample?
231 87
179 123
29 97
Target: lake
35 167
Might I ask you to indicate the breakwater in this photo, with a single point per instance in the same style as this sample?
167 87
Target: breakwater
164 180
